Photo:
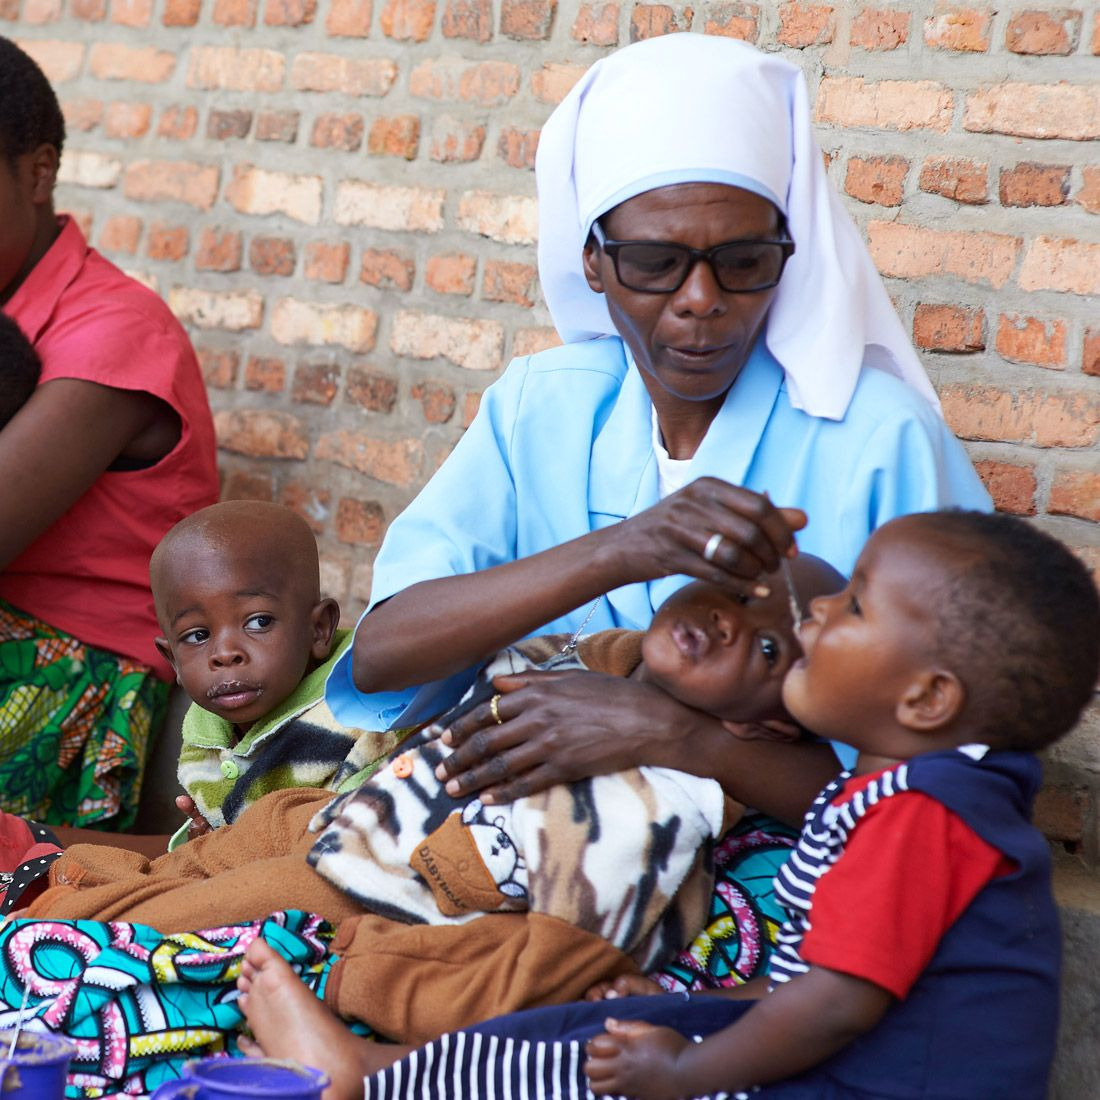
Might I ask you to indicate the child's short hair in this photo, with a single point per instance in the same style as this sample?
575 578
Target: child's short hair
29 112
20 368
1020 625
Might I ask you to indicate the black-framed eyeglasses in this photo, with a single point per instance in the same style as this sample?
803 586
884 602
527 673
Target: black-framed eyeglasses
661 267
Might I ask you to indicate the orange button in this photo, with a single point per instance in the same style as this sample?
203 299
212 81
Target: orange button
403 766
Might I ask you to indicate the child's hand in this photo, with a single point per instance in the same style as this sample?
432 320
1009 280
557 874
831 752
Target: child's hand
637 1059
198 825
625 985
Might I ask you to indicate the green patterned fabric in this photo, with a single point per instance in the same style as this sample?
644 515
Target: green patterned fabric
75 723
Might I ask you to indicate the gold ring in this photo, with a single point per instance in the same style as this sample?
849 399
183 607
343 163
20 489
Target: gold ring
495 710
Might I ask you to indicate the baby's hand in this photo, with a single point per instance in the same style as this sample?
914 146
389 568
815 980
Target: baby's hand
625 985
198 825
637 1059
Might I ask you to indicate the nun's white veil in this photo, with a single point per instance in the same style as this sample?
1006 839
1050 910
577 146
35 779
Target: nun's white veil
693 108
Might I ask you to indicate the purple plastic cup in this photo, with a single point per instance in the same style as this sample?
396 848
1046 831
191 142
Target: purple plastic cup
244 1079
37 1068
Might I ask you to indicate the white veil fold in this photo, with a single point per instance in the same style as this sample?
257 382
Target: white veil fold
693 108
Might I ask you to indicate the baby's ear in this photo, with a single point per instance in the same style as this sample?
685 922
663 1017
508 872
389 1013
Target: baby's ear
324 619
933 700
165 650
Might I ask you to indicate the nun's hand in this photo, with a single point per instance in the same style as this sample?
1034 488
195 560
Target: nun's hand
557 727
710 530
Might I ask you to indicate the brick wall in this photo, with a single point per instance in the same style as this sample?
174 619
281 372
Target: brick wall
336 197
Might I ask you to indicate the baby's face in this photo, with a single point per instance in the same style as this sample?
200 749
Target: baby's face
722 653
239 630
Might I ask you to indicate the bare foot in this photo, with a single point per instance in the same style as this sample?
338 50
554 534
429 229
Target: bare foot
288 1021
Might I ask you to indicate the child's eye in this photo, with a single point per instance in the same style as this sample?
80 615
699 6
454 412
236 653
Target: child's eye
259 622
769 649
195 637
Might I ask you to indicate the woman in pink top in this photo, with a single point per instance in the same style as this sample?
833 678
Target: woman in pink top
115 445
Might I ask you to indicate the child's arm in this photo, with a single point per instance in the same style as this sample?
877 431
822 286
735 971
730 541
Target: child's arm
790 1030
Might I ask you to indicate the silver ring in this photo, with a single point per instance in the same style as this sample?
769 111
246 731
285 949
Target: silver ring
710 551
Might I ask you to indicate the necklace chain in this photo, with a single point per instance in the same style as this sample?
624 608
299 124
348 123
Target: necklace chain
572 643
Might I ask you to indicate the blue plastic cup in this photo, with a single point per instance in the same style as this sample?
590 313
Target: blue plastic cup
37 1067
243 1079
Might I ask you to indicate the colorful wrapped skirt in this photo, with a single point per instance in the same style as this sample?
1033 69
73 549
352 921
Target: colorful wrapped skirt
75 723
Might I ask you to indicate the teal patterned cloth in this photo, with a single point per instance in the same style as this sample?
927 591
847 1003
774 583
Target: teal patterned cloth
138 1003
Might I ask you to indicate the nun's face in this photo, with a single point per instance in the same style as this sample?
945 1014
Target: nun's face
690 345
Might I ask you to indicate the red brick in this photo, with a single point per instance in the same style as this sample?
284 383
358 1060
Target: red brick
1044 32
1075 493
1034 185
248 485
360 522
60 61
529 341
267 375
517 148
222 125
181 13
373 391
880 29
1011 487
1096 34
82 114
408 20
143 65
166 242
387 270
802 25
261 434
879 180
91 11
470 404
728 20
277 126
398 136
396 462
529 20
597 25
83 219
955 178
960 29
653 20
219 250
451 274
1055 110
487 83
127 120
509 282
120 234
178 123
553 82
171 181
131 13
316 383
948 328
1090 359
349 18
1088 195
327 263
38 12
271 256
1032 340
909 251
310 503
235 13
327 72
455 140
851 102
338 132
1066 419
289 13
436 399
472 19
219 367
1068 265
